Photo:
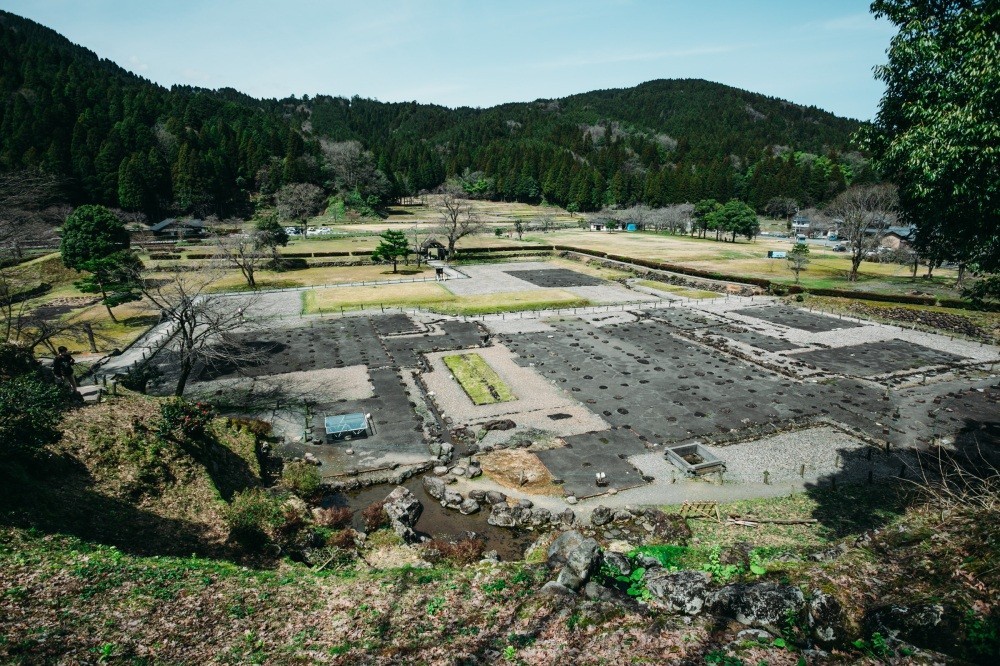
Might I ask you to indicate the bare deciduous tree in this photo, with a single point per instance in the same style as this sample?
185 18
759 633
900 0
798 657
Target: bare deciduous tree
457 220
251 251
865 212
203 322
297 202
24 198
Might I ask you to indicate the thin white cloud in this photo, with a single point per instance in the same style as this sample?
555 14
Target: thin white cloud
591 59
137 65
854 23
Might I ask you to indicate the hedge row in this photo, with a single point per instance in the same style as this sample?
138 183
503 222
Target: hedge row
505 248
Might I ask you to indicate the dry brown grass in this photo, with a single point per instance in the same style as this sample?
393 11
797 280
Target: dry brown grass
506 468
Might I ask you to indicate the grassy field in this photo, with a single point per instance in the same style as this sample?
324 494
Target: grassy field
827 269
435 297
480 381
323 275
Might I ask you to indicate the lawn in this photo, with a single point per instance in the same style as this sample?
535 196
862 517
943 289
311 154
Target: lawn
846 511
433 296
826 269
480 381
323 275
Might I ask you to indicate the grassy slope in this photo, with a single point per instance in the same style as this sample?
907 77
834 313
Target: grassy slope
111 479
66 599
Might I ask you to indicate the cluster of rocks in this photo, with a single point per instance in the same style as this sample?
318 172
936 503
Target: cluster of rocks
394 474
637 525
524 514
437 487
403 509
767 606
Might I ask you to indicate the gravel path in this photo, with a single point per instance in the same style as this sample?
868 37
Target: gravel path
821 451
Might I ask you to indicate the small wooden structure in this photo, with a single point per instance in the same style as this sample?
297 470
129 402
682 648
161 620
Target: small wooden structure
432 248
701 510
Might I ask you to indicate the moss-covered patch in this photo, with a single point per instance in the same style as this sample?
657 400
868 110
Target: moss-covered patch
481 382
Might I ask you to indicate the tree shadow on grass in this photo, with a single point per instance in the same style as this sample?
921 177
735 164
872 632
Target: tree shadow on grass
57 495
873 487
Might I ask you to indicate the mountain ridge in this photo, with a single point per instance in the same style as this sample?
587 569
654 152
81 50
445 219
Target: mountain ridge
120 139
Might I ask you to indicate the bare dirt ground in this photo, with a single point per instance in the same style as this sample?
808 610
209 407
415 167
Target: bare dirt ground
509 467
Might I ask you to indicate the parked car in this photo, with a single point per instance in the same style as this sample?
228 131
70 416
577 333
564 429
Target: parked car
840 247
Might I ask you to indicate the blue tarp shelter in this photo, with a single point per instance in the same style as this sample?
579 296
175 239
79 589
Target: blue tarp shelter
345 426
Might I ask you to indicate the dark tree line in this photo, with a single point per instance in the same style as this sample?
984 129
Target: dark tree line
117 139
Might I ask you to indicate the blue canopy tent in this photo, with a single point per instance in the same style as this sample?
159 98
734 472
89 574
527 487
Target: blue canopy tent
345 426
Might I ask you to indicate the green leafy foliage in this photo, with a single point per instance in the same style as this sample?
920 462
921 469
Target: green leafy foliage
253 515
91 233
392 247
31 401
720 572
301 478
180 419
30 405
115 277
876 648
936 130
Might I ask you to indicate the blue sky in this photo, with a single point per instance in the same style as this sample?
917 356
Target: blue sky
456 52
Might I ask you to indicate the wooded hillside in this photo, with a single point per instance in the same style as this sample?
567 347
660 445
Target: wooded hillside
121 140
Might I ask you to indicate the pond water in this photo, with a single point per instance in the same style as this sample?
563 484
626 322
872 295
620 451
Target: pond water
437 521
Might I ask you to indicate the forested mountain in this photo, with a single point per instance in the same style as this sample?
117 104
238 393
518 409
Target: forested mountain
122 140
119 139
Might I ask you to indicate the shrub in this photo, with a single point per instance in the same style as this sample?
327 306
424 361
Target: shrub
180 419
341 539
335 517
375 517
139 376
301 478
253 516
463 551
30 401
286 263
255 427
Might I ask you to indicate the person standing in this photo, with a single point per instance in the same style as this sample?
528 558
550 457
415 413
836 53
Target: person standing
62 367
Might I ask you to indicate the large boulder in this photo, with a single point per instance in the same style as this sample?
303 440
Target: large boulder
468 506
664 527
567 517
825 620
601 515
617 562
495 497
403 509
578 556
679 591
434 486
767 606
452 499
934 626
502 515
